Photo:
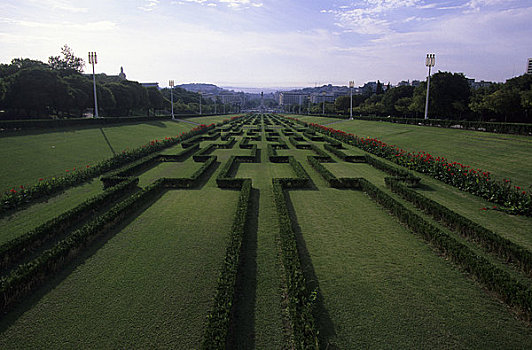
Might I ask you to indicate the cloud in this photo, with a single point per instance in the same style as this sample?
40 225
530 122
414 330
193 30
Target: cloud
62 5
233 4
149 6
370 16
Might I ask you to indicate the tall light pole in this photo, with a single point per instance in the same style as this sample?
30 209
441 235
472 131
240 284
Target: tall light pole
93 59
308 108
351 86
171 83
429 62
323 103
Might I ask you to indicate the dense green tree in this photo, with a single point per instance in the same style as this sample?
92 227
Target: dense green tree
68 62
449 95
379 90
124 98
392 95
37 91
80 91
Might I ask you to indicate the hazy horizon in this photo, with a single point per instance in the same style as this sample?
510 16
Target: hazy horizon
274 43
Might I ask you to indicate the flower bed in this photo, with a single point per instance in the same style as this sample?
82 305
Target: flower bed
513 199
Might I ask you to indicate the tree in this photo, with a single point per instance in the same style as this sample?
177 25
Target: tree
81 92
37 90
379 90
125 100
156 99
69 62
392 95
2 92
449 95
342 104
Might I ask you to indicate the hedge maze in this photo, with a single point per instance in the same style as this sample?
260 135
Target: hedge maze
222 157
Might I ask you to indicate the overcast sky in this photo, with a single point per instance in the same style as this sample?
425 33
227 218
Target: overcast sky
275 43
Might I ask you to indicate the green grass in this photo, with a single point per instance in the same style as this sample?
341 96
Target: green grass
22 221
28 156
384 287
506 156
149 286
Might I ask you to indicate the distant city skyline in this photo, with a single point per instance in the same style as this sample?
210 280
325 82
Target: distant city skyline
274 43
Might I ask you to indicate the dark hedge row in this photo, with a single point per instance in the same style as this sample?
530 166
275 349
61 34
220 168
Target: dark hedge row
345 157
301 300
491 241
24 245
63 123
121 174
402 174
27 277
513 291
220 317
333 181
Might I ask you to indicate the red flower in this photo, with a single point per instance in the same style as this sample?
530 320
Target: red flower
40 179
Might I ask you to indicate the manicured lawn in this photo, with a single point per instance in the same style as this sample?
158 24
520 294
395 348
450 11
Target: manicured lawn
150 283
382 286
506 156
28 156
22 221
149 286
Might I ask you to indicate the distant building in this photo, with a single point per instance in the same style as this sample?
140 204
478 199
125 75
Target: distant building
291 98
529 68
319 98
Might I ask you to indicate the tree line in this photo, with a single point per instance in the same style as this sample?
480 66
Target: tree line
58 88
451 97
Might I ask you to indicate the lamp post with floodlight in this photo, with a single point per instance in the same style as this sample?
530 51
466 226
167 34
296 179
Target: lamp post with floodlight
171 83
351 86
429 62
93 59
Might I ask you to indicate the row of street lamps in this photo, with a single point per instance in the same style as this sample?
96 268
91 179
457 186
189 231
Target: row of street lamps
430 61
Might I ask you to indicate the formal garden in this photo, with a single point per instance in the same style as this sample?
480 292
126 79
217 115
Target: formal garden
265 231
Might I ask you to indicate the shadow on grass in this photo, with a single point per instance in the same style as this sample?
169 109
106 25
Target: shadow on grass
9 318
321 315
242 333
205 177
108 142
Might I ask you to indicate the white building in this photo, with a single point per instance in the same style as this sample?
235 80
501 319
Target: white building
529 69
291 98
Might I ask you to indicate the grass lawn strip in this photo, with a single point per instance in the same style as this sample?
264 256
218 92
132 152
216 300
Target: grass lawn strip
506 156
384 287
50 153
22 221
159 274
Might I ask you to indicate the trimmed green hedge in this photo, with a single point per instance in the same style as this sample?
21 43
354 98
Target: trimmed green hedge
31 241
220 317
27 277
346 158
491 241
301 300
513 291
400 173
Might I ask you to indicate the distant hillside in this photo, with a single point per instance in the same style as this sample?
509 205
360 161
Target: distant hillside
201 87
